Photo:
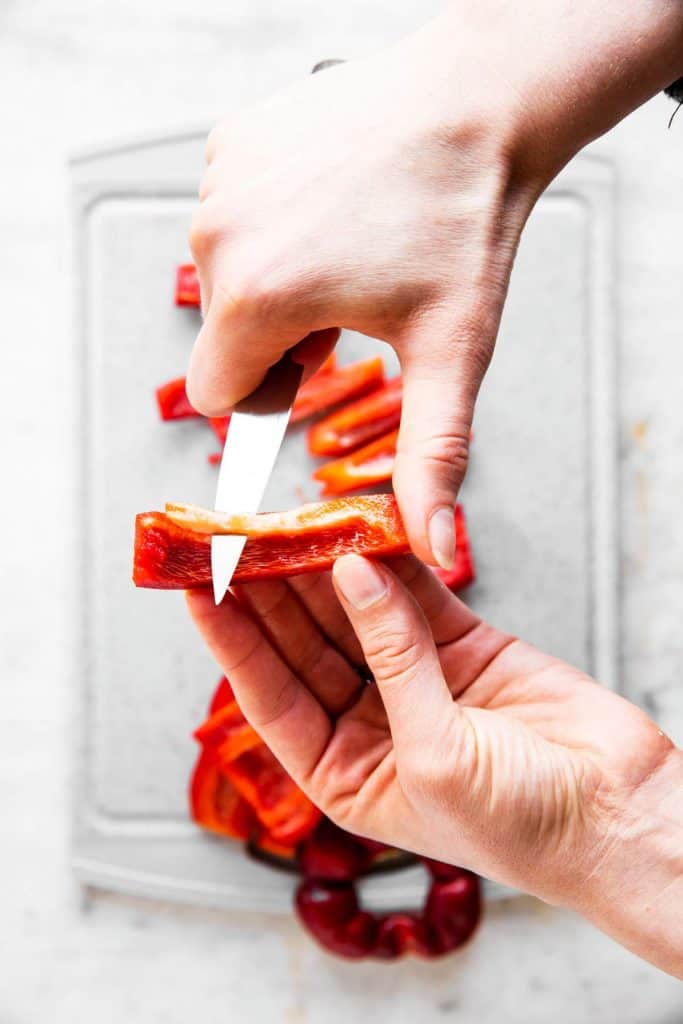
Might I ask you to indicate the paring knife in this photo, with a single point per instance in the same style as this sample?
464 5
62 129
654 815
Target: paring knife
257 428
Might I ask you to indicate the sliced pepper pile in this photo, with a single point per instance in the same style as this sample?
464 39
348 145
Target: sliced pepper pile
239 788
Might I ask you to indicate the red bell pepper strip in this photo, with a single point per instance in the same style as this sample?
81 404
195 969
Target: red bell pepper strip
187 286
462 572
215 803
173 401
322 391
220 424
173 557
222 695
359 422
227 732
373 464
278 814
283 809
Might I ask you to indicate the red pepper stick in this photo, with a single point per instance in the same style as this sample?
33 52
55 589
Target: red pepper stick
172 557
327 389
220 424
370 465
187 286
173 401
282 809
359 422
227 732
215 803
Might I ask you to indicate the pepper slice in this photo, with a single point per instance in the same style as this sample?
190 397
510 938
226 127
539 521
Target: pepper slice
187 285
242 797
227 732
215 803
220 424
359 422
173 557
373 464
173 401
324 390
283 809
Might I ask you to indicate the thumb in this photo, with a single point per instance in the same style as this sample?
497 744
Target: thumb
433 447
398 646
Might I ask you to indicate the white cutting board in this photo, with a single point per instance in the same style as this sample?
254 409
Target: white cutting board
540 500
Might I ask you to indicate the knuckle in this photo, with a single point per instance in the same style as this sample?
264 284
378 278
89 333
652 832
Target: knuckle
203 232
446 453
247 293
394 651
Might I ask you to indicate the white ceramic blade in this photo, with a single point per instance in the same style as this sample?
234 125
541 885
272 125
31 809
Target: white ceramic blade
257 428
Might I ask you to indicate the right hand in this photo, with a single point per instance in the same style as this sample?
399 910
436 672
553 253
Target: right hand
388 196
354 199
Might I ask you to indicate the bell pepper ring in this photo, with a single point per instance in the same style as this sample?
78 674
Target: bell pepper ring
327 903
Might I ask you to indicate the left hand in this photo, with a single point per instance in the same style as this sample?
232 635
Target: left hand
472 748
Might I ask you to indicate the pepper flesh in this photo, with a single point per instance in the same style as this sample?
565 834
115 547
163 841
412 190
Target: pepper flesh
187 285
368 466
173 401
172 557
358 423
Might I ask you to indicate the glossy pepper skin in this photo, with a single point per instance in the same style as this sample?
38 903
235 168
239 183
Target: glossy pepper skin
359 422
215 804
171 557
238 787
187 286
324 390
368 466
173 402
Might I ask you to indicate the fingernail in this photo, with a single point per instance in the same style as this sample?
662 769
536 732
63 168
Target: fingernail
442 536
361 582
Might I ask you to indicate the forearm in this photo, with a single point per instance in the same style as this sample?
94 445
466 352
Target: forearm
635 893
567 71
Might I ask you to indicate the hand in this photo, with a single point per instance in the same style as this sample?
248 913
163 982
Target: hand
472 748
388 196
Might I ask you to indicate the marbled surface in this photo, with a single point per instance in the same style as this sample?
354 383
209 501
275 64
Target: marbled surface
74 73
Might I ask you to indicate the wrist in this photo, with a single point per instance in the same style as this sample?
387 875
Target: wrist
635 889
551 76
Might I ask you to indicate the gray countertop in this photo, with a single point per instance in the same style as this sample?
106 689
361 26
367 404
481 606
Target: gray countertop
74 74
